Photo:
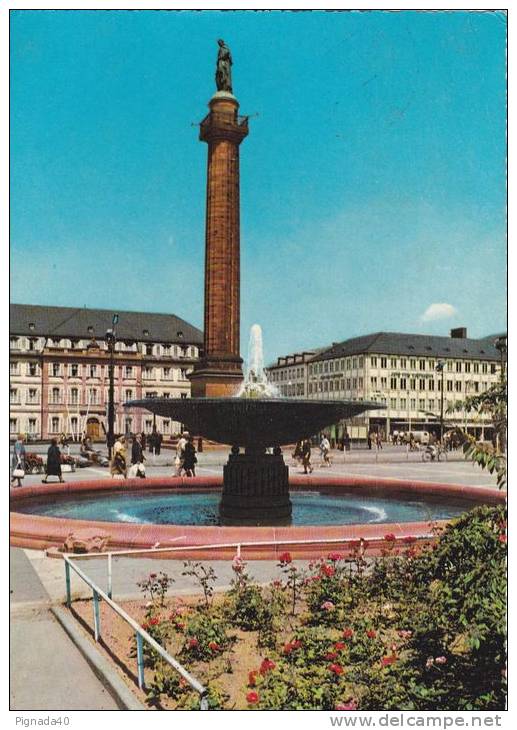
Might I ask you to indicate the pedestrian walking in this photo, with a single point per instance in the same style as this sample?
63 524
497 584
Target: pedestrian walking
18 461
53 467
189 458
346 439
158 438
118 467
325 452
142 440
137 458
180 453
306 456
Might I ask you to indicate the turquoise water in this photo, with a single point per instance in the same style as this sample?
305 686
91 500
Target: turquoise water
312 507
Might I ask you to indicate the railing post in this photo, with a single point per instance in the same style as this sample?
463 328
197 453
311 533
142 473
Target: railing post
110 589
96 616
140 659
203 702
67 581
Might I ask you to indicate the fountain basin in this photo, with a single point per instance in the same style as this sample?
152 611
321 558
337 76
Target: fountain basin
255 423
36 531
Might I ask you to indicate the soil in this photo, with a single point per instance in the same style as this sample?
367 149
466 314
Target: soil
117 644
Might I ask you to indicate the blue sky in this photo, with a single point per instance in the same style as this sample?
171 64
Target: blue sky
372 181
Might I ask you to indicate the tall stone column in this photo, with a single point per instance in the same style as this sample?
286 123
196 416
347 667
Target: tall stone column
219 372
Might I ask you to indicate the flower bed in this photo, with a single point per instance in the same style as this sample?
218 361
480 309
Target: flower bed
418 628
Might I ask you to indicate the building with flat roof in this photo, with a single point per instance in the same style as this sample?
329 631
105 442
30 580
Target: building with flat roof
59 369
400 371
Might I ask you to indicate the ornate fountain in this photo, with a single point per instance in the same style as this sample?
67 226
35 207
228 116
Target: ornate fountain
255 480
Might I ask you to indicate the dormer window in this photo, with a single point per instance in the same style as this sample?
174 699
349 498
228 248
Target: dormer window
146 333
32 326
180 334
90 330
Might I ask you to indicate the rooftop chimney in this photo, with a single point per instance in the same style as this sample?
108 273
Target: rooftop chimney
459 333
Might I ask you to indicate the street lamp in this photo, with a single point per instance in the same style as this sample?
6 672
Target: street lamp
440 367
111 338
501 344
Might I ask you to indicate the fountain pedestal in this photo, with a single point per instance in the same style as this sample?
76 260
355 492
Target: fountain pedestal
256 489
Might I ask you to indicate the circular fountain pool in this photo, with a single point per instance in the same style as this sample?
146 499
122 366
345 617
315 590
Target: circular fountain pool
310 507
182 513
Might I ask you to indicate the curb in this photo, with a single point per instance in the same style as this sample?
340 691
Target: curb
122 695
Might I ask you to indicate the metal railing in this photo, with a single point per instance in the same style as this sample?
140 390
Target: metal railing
140 634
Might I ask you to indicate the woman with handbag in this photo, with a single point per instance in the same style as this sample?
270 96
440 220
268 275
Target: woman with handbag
18 461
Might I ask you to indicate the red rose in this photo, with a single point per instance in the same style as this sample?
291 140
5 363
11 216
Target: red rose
154 621
348 633
390 537
266 666
387 660
193 643
252 698
335 557
331 655
145 626
285 558
214 646
336 668
371 634
409 539
328 570
339 645
502 538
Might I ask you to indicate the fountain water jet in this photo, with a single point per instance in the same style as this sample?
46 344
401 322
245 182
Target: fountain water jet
256 384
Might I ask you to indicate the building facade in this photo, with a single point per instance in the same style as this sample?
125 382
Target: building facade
59 369
399 371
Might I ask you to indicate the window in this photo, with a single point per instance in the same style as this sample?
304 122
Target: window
360 382
331 365
476 367
458 367
56 369
348 383
421 404
458 386
449 366
13 425
13 396
373 361
33 368
93 371
393 362
467 367
403 384
32 425
373 382
331 385
421 364
32 396
403 362
430 384
54 424
384 362
421 384
54 397
183 374
74 396
393 383
354 383
384 382
74 370
431 364
412 363
129 395
484 367
393 403
493 369
360 362
14 343
402 403
412 404
412 383
449 385
32 344
148 349
147 371
128 371
184 395
92 396
13 368
431 404
166 395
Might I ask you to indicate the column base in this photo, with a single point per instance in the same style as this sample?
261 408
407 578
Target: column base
214 379
255 490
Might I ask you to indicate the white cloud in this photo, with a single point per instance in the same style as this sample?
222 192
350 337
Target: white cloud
438 311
